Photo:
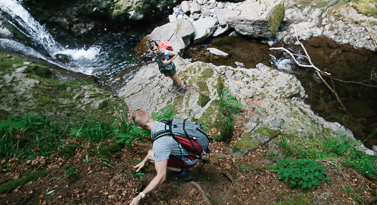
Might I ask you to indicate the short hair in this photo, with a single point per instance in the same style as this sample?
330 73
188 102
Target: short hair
141 118
153 44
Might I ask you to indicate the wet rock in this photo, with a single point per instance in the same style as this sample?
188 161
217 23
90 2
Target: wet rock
8 79
196 16
215 51
21 70
220 30
63 58
204 28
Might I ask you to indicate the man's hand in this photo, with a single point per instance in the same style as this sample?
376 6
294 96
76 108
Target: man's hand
136 200
139 166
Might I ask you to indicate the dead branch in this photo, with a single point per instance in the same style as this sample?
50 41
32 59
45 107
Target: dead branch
228 176
353 82
197 186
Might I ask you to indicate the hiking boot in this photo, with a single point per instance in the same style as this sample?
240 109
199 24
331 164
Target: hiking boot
178 177
181 87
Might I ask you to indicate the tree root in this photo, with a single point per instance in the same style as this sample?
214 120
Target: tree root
197 186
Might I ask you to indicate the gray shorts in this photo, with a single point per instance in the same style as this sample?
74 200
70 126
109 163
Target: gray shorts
170 72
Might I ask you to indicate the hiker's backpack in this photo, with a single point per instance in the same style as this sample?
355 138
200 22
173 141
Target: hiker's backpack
165 45
191 135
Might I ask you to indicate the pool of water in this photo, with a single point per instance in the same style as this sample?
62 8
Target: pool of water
342 61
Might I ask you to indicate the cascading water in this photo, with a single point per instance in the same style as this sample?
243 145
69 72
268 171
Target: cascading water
103 59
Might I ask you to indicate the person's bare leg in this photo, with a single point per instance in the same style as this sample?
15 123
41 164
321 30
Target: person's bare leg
175 79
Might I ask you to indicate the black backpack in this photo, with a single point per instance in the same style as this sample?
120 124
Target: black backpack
191 135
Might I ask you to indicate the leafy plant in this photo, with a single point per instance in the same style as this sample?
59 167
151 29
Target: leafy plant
302 173
176 185
230 102
353 157
72 172
138 175
349 191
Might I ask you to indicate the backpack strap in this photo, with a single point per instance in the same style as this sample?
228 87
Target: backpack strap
167 130
184 129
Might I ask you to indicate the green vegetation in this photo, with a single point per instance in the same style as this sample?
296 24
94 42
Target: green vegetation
16 183
276 18
302 173
329 148
363 7
203 100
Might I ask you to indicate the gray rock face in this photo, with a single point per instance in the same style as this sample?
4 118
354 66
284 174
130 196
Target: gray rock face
275 99
252 19
204 28
179 33
342 24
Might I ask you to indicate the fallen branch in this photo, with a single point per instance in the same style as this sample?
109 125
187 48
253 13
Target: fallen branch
228 176
197 186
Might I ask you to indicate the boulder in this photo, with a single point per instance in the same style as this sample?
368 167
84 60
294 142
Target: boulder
185 6
196 8
217 52
220 30
179 33
252 19
204 28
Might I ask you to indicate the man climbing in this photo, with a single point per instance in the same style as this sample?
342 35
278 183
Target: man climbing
166 154
164 59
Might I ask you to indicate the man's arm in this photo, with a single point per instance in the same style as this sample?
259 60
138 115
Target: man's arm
158 179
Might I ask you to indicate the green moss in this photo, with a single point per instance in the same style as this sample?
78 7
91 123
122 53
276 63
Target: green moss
248 142
178 102
276 18
203 100
220 85
245 143
362 6
7 62
19 182
41 71
268 132
103 104
207 73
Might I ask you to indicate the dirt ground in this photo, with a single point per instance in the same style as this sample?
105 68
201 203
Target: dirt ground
225 180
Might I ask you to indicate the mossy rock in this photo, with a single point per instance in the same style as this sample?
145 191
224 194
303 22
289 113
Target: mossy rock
203 100
276 18
252 140
41 71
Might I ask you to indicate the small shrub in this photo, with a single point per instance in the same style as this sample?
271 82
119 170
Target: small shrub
302 173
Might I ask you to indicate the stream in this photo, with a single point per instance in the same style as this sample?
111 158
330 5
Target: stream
112 53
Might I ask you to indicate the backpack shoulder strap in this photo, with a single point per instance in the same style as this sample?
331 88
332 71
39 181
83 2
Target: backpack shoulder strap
166 131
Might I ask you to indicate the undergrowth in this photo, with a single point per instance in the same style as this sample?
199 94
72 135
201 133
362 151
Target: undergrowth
330 148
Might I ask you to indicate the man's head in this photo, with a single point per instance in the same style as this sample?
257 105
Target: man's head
154 47
142 118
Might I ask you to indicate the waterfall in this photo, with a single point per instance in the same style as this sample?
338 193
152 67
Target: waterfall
105 58
28 26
